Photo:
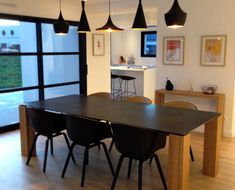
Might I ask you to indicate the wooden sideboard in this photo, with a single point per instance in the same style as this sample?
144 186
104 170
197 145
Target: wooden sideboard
218 98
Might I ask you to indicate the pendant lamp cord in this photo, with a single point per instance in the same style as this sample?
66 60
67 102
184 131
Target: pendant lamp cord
109 7
60 5
83 5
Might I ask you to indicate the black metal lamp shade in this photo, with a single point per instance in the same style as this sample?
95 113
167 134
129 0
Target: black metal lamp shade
83 25
60 26
175 17
109 26
139 21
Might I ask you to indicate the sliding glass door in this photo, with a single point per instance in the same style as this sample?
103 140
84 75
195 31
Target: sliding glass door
35 64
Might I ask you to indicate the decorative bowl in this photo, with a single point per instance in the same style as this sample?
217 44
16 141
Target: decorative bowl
209 89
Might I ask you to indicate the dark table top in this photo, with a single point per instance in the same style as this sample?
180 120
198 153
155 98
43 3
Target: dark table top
153 117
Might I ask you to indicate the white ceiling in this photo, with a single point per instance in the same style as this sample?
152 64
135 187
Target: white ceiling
119 5
95 6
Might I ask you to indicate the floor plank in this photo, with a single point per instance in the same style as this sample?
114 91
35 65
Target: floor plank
16 175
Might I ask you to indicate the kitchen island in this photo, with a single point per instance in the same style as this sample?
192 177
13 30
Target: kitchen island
145 78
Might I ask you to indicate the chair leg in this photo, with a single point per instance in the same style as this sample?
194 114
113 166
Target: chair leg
117 172
119 95
51 141
140 175
87 158
160 171
111 146
68 145
134 88
45 154
32 148
67 159
84 166
108 158
150 160
129 168
191 154
126 89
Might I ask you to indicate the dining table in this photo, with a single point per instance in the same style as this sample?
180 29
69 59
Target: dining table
175 122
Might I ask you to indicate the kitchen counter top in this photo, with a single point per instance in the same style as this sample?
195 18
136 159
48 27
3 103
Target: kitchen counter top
132 67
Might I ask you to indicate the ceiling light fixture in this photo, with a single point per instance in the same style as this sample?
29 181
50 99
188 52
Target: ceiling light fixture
139 21
61 27
109 26
175 17
83 25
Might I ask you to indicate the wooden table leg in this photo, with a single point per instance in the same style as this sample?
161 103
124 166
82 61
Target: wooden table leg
26 132
211 153
178 162
159 98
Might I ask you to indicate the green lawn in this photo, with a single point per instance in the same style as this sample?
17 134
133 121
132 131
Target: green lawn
10 72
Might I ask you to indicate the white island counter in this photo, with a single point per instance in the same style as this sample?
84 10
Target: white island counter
145 78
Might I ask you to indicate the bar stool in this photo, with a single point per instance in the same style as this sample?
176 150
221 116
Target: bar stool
125 92
115 91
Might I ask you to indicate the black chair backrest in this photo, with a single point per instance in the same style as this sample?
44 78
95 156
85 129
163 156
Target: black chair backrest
45 122
136 142
85 131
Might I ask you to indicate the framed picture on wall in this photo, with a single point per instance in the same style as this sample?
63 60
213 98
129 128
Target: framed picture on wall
173 50
98 44
213 50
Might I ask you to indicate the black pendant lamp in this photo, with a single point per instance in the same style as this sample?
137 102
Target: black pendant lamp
139 21
83 25
61 27
175 17
109 26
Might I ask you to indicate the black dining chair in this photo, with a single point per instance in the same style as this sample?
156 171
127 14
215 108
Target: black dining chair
88 133
47 124
108 96
138 144
140 100
133 99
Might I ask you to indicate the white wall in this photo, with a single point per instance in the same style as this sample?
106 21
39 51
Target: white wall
204 18
98 78
129 43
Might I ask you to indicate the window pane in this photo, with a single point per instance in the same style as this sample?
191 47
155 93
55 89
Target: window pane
16 36
62 91
56 43
150 44
61 68
9 105
18 71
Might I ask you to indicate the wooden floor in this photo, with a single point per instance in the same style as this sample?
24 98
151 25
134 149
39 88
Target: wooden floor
15 175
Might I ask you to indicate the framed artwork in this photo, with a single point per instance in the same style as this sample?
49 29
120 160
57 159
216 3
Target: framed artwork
213 50
173 50
98 44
